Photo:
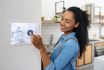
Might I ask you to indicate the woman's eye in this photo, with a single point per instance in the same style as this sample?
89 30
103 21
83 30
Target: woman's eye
67 22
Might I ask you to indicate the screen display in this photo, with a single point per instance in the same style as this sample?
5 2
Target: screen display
21 33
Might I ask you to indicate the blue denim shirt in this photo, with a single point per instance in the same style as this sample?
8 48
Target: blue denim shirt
65 53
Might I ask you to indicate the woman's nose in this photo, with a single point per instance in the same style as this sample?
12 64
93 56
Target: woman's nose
62 22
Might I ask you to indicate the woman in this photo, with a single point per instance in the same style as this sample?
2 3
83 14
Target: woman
74 24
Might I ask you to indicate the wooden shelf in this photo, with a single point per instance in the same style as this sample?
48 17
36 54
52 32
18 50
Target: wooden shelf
49 22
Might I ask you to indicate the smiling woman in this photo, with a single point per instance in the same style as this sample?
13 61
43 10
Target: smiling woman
74 25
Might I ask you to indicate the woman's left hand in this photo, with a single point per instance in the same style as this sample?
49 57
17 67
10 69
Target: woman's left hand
37 41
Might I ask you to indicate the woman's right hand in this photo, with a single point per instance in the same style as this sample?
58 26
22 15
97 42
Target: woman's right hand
37 41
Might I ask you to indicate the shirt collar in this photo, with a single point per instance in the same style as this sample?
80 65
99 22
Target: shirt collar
71 35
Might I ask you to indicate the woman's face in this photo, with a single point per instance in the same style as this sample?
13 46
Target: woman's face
67 22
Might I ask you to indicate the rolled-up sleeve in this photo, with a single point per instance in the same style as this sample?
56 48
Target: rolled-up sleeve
64 57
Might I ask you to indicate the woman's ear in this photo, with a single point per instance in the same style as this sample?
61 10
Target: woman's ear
76 25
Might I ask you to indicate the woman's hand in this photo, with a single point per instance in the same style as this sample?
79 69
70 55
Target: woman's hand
37 41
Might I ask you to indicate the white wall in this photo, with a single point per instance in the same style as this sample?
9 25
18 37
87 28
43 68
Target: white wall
18 57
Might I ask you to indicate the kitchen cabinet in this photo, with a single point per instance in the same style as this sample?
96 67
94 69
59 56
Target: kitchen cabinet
86 57
80 61
88 54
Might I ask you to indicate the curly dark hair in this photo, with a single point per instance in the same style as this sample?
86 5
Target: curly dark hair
81 17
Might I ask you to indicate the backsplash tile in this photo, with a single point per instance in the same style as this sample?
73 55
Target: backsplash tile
50 29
